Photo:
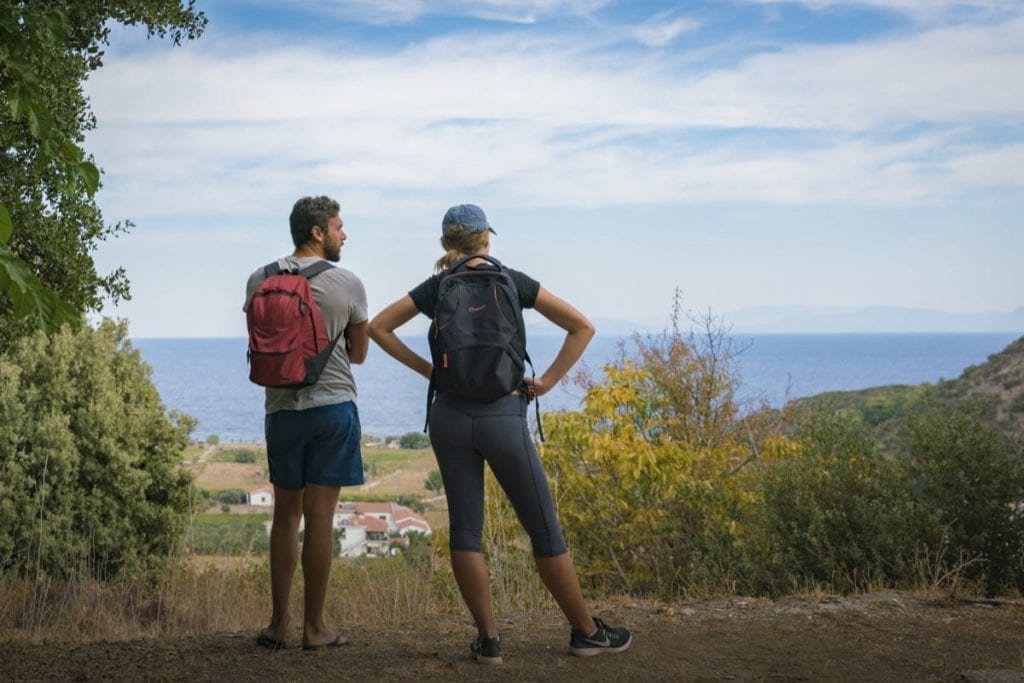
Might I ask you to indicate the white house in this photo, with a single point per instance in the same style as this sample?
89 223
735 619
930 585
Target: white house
263 496
365 529
362 535
372 529
353 541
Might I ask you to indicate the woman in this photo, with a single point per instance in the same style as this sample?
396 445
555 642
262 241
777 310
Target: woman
465 434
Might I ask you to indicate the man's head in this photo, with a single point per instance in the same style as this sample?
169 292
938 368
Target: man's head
315 224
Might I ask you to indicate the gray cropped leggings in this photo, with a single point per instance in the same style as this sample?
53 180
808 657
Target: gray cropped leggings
464 435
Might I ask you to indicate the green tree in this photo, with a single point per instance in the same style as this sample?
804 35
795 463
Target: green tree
433 481
231 497
835 512
414 440
970 484
91 479
49 221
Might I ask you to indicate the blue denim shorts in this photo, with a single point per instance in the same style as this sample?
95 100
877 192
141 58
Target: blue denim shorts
315 446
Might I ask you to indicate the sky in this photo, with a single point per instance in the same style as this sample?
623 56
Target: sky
749 153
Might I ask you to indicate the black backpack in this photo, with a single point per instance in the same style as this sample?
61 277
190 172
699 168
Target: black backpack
477 338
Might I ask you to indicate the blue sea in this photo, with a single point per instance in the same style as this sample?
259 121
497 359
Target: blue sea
208 378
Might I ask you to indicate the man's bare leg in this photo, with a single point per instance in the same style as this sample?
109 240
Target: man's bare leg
284 553
317 556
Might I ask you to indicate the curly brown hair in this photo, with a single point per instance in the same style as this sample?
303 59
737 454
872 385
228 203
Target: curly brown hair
310 211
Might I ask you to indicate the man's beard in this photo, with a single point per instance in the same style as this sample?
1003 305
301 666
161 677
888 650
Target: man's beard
332 252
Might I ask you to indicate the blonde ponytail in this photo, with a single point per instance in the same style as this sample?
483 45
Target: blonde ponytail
446 260
459 243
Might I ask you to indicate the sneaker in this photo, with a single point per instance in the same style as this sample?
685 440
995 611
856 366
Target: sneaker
486 650
604 639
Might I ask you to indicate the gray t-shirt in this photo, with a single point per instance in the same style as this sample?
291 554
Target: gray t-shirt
342 301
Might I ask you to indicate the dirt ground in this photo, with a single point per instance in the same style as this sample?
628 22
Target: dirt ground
874 637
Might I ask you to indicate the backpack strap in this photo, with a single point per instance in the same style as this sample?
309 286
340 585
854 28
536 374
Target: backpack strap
309 272
536 399
314 269
272 268
461 263
431 391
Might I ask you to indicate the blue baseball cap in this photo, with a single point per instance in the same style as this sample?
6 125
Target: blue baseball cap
470 216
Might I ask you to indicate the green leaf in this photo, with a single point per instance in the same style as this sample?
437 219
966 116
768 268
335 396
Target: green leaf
30 298
90 175
35 124
6 227
14 102
71 152
56 24
21 67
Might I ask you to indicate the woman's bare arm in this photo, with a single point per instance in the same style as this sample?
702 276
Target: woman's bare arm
579 331
382 331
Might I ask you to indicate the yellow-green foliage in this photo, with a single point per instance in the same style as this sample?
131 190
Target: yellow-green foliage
639 504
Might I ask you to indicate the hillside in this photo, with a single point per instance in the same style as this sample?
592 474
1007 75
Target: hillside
1000 383
995 386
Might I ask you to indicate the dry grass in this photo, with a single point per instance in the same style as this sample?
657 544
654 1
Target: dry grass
217 476
212 595
205 595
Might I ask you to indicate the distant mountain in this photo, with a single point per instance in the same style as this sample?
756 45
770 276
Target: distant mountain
809 320
872 319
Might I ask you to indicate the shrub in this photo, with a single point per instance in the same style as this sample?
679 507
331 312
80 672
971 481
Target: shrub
650 476
835 513
231 497
90 460
414 440
245 455
968 481
433 481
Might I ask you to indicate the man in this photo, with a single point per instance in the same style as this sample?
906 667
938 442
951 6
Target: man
313 432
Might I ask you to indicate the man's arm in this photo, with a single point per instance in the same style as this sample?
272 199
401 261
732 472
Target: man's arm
357 342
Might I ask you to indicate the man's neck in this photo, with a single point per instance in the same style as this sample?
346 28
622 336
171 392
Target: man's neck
305 252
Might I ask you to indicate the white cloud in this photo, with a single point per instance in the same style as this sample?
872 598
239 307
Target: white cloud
403 11
556 123
663 28
921 9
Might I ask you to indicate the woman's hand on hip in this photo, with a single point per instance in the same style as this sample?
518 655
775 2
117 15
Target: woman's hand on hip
536 386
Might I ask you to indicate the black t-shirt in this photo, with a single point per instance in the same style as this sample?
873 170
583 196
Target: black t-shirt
424 295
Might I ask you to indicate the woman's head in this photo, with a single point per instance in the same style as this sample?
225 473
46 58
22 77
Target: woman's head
464 231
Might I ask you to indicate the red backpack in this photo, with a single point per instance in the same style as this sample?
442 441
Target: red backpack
288 342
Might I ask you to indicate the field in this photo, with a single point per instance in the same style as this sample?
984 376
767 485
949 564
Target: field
390 473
